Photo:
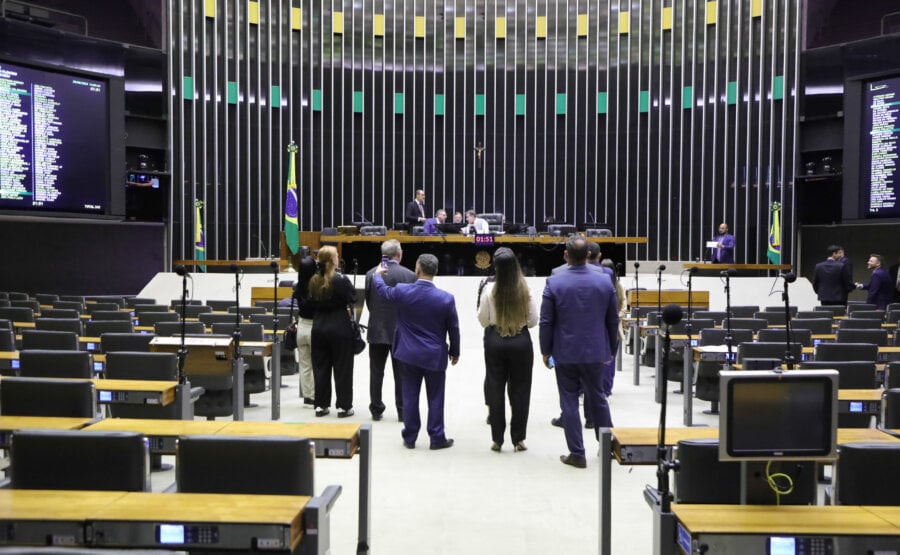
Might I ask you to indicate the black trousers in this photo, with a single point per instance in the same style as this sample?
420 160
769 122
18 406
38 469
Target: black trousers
509 362
332 354
378 354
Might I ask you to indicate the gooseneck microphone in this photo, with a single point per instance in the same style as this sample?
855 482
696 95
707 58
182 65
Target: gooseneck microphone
730 272
789 277
637 289
661 268
659 271
234 268
181 270
671 315
182 351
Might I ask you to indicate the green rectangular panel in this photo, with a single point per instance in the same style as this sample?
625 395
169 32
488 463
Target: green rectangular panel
520 104
317 100
602 102
399 101
276 96
479 104
732 92
687 97
187 87
644 102
439 105
778 87
232 92
560 104
358 101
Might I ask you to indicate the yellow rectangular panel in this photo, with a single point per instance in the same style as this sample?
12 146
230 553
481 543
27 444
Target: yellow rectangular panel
624 23
378 21
420 26
253 13
541 27
337 23
711 12
460 27
209 9
667 19
296 19
582 25
756 7
501 27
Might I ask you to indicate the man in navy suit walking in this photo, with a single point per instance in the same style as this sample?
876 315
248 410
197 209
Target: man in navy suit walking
579 329
426 318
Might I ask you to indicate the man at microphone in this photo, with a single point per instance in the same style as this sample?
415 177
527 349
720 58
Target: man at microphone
723 252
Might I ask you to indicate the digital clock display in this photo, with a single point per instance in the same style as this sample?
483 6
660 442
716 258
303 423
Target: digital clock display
484 238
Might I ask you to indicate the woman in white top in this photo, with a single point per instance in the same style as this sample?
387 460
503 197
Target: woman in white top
506 310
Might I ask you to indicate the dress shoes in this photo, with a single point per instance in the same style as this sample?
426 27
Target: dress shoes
345 413
308 402
446 444
520 446
409 445
588 425
376 416
320 411
556 422
571 460
495 447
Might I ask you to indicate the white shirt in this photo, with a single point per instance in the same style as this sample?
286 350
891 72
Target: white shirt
487 314
480 225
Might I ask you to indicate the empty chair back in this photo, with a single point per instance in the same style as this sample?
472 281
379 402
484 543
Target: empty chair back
873 314
246 311
7 340
716 336
70 305
132 302
134 365
4 302
744 311
169 329
267 465
17 313
817 326
27 303
72 298
6 325
141 308
864 474
717 316
220 305
76 460
812 315
697 324
833 352
175 304
859 324
654 317
151 318
96 328
768 350
639 311
854 306
59 324
890 409
373 230
771 318
853 374
113 342
892 375
39 339
46 298
209 318
249 330
802 336
268 320
835 310
42 363
105 315
754 324
893 316
91 308
195 310
69 313
876 337
47 397
780 308
17 296
268 305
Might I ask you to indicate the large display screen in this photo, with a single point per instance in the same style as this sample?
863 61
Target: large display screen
54 140
880 174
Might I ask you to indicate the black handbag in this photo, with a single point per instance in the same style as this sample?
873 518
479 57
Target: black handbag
290 337
359 344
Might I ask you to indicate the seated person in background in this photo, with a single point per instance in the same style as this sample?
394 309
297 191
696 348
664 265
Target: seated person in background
475 225
457 218
431 223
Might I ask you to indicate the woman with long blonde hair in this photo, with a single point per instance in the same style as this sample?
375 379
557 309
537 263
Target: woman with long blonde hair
506 310
330 293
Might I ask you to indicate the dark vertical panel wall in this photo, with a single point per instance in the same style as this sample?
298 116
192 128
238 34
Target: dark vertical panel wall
660 117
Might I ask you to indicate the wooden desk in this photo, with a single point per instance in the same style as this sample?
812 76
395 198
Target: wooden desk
719 267
135 392
642 297
332 440
460 238
265 294
45 517
10 424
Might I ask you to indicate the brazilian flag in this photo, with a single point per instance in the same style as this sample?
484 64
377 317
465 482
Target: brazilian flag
773 253
199 236
291 228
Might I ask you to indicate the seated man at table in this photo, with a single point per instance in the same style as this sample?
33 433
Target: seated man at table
431 224
475 224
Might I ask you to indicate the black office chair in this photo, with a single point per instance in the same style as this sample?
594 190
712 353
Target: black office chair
175 304
219 305
871 314
834 310
171 329
96 328
69 305
46 298
811 315
368 230
779 335
561 230
268 320
131 302
859 324
834 352
717 316
111 342
4 303
193 310
107 315
771 318
864 474
40 339
151 318
79 460
17 313
892 375
852 374
262 465
744 311
890 409
878 337
854 306
761 350
816 326
255 373
91 308
754 324
42 363
417 230
209 319
780 308
17 296
73 298
893 316
48 397
268 305
59 324
637 311
67 313
246 311
7 342
139 309
707 385
26 303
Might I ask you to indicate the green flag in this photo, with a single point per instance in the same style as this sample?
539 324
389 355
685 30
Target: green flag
291 229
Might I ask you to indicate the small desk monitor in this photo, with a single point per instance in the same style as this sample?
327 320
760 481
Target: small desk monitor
768 415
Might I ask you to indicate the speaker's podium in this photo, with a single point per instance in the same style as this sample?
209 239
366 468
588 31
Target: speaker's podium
210 361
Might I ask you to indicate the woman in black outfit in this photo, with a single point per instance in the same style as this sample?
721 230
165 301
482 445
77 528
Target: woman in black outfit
330 293
506 310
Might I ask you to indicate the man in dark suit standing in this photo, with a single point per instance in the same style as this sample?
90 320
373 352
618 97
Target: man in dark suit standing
415 210
579 329
880 287
426 318
382 323
832 280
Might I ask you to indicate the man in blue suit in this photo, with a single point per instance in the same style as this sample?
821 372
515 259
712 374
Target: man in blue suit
880 287
579 329
724 251
426 317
